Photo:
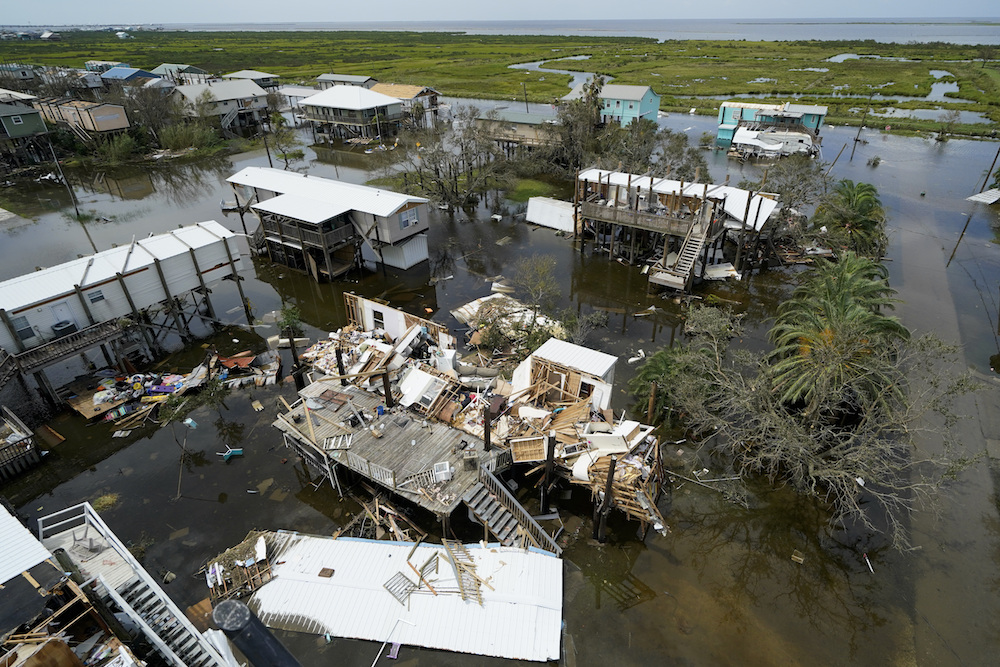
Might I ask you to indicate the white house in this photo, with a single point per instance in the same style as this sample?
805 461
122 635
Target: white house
235 101
43 305
310 223
330 80
576 370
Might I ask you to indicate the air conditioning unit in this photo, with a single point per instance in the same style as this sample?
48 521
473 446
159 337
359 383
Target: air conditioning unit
443 472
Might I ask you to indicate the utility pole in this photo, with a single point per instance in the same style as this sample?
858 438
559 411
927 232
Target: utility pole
524 87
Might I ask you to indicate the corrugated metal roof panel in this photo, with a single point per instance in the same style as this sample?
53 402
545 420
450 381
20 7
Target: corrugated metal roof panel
228 89
349 196
987 197
521 618
249 74
19 550
577 357
302 208
58 280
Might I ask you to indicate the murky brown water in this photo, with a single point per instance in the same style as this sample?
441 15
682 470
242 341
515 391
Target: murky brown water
721 589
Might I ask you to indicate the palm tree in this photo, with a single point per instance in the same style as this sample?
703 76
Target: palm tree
831 339
854 218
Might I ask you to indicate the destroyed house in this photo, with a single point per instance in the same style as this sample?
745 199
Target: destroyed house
567 372
323 227
737 117
680 226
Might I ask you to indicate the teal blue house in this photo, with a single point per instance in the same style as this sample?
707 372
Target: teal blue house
622 104
787 117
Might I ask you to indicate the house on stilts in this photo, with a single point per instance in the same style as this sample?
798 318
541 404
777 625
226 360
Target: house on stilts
325 227
121 298
681 226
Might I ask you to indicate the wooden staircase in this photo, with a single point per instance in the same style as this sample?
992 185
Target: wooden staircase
678 276
497 509
491 513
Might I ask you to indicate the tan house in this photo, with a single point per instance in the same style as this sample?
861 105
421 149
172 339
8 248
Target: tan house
411 95
91 117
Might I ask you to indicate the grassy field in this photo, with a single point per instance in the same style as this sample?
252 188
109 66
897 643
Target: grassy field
683 72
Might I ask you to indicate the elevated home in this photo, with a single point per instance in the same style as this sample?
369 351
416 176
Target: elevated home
60 312
512 129
101 66
622 104
345 112
330 80
131 76
20 125
84 118
18 121
324 226
770 130
235 102
680 226
181 74
262 79
411 96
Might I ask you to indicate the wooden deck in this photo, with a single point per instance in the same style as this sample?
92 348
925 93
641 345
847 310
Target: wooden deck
401 458
82 400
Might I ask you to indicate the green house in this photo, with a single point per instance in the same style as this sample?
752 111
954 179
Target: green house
18 121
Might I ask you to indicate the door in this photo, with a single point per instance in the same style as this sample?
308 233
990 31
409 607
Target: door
62 313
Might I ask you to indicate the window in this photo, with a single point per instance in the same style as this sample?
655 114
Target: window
23 328
618 103
408 217
95 296
17 120
629 105
379 318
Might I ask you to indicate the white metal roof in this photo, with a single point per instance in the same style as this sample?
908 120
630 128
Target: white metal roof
302 208
734 199
520 618
297 91
19 550
358 78
37 286
230 89
249 74
354 98
575 356
987 197
326 192
611 91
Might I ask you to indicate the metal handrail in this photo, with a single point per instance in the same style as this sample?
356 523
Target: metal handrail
506 498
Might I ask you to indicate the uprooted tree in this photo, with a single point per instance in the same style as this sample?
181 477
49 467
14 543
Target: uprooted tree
848 409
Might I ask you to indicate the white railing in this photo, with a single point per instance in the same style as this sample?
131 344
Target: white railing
380 474
537 534
78 515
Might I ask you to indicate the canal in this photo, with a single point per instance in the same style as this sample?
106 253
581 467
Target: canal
721 588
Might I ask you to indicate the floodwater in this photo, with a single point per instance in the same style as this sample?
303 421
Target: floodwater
721 589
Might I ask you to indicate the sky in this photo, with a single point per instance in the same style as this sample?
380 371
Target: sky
114 12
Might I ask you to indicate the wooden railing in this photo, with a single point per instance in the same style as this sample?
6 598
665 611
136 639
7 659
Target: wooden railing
315 238
654 222
537 534
60 348
374 471
8 367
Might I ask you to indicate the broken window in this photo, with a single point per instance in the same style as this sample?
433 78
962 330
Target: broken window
379 319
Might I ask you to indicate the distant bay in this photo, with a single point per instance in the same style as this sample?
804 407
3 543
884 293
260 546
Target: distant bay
952 30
